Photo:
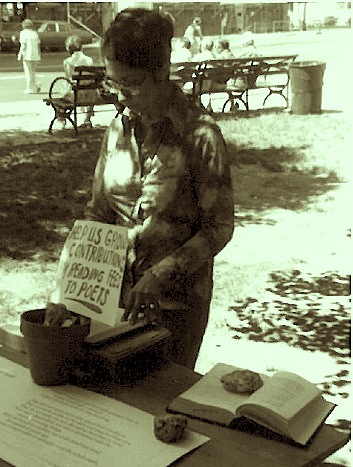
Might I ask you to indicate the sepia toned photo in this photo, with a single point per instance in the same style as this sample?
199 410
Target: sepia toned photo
175 233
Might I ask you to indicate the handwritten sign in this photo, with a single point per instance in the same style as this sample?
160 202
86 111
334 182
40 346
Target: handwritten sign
91 269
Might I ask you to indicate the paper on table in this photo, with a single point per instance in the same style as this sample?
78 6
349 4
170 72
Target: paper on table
66 425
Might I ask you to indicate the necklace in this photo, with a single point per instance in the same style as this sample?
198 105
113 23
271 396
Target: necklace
150 143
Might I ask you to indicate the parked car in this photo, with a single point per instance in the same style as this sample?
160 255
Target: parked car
9 35
330 21
52 35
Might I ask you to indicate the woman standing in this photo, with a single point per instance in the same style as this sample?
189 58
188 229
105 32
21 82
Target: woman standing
163 172
30 55
194 33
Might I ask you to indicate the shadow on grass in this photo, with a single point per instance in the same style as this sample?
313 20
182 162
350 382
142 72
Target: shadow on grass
224 116
45 186
305 311
46 182
308 312
270 178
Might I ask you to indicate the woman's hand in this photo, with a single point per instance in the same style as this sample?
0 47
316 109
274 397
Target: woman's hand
19 57
143 298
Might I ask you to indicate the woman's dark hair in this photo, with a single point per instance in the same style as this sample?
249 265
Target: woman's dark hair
139 38
186 43
224 43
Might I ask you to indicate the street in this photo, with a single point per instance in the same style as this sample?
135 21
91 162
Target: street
51 61
12 86
331 46
12 83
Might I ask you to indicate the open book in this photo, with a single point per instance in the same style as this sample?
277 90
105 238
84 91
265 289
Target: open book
286 403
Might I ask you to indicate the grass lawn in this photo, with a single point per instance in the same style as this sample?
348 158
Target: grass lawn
281 286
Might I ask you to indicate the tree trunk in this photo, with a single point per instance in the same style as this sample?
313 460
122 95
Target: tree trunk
109 10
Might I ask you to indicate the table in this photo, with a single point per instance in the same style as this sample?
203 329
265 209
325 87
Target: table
227 447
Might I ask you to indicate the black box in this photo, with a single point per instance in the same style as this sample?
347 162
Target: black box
131 356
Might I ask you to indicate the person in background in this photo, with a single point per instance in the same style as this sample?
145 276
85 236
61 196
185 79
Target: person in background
223 50
182 53
30 55
164 173
73 45
248 46
207 51
194 33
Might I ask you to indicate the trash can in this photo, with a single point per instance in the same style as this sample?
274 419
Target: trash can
306 80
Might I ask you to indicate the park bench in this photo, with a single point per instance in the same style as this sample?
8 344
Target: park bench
187 75
85 89
236 77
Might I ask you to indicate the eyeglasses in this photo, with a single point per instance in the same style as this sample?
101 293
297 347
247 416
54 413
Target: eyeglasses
133 87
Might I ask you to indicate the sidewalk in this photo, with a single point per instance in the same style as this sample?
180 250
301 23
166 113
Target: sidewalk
35 115
31 114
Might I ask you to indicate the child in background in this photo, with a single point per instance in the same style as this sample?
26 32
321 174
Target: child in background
207 51
223 51
183 52
248 46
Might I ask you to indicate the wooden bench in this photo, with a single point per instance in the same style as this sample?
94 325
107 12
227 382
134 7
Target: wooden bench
187 75
85 89
236 77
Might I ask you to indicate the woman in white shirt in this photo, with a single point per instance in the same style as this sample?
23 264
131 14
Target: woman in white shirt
30 55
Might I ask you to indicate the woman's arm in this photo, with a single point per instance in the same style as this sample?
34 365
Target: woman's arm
216 207
215 204
22 50
98 208
67 68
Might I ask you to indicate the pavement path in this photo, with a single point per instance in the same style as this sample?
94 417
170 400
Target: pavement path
18 110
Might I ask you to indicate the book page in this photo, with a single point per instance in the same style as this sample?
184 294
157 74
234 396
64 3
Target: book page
65 425
210 391
305 423
284 393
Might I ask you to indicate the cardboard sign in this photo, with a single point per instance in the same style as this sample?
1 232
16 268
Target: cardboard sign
91 271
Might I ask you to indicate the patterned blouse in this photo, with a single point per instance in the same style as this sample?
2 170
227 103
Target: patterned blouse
171 186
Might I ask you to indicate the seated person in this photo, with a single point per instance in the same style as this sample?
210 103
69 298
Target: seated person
183 52
78 58
204 56
248 46
207 51
223 51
